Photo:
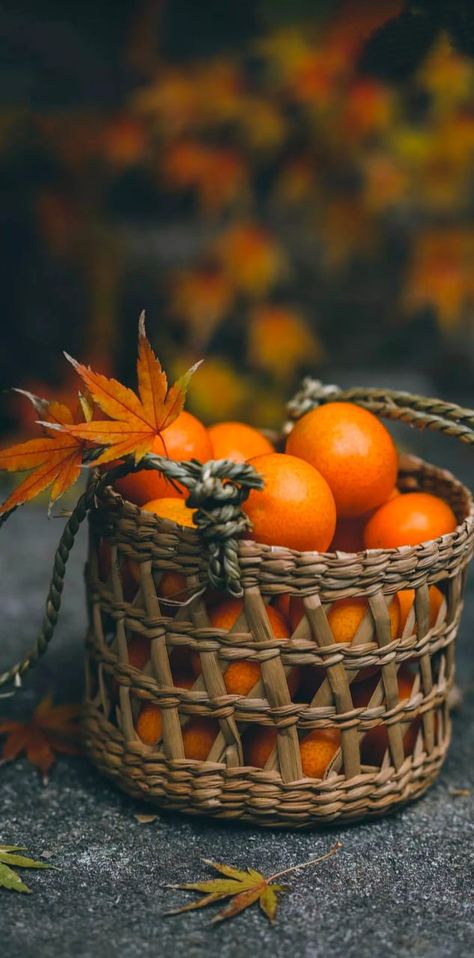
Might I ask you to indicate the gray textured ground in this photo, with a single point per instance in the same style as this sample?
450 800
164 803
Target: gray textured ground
399 887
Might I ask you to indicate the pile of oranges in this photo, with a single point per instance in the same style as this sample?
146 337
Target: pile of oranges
333 488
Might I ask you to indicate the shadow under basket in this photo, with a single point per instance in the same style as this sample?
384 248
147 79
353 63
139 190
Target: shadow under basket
157 688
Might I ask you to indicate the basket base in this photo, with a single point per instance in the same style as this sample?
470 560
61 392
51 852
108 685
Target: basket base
242 794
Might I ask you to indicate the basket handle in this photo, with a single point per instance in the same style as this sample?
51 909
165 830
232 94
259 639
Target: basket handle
53 601
216 490
418 411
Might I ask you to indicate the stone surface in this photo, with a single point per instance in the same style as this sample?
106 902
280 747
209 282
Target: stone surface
401 886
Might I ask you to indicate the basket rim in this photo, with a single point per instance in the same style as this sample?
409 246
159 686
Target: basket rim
110 497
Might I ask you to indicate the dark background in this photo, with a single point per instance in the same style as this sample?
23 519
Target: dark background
100 220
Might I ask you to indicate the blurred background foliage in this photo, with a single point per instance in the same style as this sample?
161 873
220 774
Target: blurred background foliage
285 186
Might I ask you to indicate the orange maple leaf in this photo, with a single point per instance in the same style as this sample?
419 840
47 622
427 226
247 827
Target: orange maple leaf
135 420
51 460
51 729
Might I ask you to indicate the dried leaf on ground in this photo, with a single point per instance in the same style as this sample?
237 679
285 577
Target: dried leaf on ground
244 888
9 860
51 730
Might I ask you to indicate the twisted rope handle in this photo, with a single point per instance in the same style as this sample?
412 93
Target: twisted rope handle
419 411
53 601
217 490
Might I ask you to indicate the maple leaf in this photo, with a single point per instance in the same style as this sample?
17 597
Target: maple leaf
243 887
52 729
50 460
135 420
9 859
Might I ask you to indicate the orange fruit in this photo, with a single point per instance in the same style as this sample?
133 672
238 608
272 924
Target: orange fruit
186 438
352 450
375 741
345 616
407 520
183 680
237 441
258 744
317 749
174 509
349 536
240 677
172 585
406 599
138 651
198 737
282 604
295 508
148 724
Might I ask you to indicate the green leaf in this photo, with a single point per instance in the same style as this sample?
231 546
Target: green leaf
9 859
9 879
19 861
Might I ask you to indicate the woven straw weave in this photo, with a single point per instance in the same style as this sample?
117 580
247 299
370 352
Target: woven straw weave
217 555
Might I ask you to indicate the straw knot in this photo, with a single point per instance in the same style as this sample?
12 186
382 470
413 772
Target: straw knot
217 491
312 393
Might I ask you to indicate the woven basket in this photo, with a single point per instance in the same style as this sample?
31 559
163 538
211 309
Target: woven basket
222 786
217 555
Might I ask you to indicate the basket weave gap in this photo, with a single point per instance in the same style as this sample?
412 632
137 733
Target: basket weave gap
389 675
276 688
125 711
171 727
215 687
422 606
338 682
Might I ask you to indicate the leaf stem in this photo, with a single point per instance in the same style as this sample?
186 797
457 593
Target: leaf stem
312 861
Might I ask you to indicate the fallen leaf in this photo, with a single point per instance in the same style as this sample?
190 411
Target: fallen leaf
50 460
145 819
135 420
9 859
243 887
51 730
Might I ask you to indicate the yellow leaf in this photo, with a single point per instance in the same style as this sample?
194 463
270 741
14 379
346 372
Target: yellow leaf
280 341
243 887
